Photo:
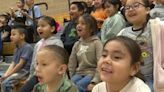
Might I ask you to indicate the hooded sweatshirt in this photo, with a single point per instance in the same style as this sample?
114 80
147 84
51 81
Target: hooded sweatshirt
84 57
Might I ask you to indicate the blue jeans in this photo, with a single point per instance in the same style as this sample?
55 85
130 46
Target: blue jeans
81 82
8 84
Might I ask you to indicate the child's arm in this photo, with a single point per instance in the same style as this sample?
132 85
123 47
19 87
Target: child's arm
10 68
16 68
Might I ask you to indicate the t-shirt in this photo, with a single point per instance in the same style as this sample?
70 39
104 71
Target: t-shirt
145 43
24 52
37 13
65 85
134 85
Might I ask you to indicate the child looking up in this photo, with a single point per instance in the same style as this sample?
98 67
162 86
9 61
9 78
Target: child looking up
22 57
85 54
118 66
47 30
51 70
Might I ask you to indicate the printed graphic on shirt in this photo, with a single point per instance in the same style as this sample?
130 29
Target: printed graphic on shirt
82 49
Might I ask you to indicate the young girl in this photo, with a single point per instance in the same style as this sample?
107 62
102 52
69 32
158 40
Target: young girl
47 31
20 66
118 66
51 69
85 54
136 12
114 23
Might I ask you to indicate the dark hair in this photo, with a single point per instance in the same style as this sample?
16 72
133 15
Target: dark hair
51 21
22 30
85 6
114 2
23 1
131 45
79 5
6 16
59 52
90 22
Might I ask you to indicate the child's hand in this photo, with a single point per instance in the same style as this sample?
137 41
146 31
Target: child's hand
2 78
90 86
24 13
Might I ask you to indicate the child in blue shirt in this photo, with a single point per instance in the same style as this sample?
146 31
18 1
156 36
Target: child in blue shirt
22 57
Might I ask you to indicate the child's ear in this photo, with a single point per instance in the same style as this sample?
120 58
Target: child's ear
62 69
53 29
135 68
23 36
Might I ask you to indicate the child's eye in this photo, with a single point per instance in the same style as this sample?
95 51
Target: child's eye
44 64
116 57
104 55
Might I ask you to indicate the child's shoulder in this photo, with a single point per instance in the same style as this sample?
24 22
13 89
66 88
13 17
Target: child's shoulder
136 85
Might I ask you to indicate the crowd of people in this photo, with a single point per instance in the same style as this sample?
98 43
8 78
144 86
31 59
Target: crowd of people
106 46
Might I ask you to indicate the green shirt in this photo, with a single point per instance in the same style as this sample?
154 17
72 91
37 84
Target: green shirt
65 85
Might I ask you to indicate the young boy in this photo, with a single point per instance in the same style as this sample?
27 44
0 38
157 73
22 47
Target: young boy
30 15
20 65
51 70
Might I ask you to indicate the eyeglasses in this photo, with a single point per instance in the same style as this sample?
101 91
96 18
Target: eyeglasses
133 6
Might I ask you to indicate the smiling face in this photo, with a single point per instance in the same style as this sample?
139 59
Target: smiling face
115 60
98 3
74 11
47 69
111 9
83 29
136 12
44 29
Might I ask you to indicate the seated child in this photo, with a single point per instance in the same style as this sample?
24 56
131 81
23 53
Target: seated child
22 57
85 54
51 70
5 29
118 66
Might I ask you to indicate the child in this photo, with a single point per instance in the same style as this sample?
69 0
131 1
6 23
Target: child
85 54
5 29
69 35
20 65
17 14
54 58
30 14
118 66
90 5
115 21
99 12
137 13
47 30
157 11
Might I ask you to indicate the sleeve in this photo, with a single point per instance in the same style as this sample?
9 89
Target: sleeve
99 47
33 63
72 65
27 52
37 11
116 25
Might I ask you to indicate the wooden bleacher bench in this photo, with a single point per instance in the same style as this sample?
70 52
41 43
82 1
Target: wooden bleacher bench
7 49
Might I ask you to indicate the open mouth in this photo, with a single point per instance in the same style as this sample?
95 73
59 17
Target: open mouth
79 30
106 70
40 79
132 14
40 33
